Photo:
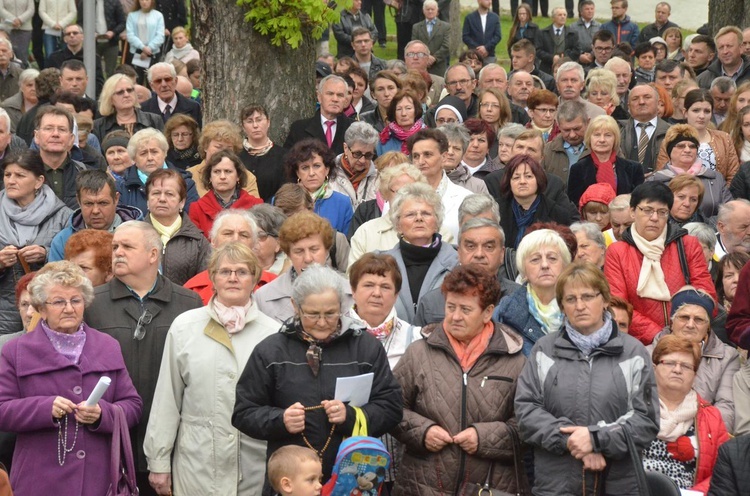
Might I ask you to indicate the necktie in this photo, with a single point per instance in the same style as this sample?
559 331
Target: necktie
167 113
429 29
643 141
329 132
557 32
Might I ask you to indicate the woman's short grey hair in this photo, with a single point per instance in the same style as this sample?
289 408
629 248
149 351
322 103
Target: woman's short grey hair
398 66
478 223
63 273
592 231
268 218
478 204
144 136
420 192
511 130
620 203
315 280
151 237
244 214
705 233
456 133
4 116
361 132
29 74
535 241
388 174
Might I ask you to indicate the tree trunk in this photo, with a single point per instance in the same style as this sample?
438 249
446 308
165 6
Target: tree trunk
241 67
727 13
456 43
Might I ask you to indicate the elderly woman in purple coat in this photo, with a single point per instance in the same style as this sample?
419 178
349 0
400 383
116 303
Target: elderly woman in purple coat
63 446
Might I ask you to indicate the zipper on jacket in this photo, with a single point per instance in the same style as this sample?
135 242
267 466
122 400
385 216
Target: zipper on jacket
495 378
462 458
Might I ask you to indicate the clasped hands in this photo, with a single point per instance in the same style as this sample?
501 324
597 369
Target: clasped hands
84 414
294 416
438 438
579 445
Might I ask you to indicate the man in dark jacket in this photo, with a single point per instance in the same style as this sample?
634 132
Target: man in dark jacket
625 30
729 59
328 124
482 37
567 147
166 101
73 49
661 23
136 308
97 194
481 241
556 41
523 57
730 476
107 45
643 103
350 19
362 42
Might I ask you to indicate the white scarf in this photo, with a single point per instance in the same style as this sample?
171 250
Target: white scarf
651 282
676 423
232 318
745 153
179 53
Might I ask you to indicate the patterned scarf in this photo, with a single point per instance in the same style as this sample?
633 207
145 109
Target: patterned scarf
227 204
589 342
354 177
384 330
232 318
320 193
605 172
549 316
314 351
260 150
401 134
68 345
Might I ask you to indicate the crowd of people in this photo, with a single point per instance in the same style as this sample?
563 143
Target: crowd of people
543 267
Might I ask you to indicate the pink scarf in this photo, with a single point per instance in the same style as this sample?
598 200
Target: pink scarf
401 134
232 318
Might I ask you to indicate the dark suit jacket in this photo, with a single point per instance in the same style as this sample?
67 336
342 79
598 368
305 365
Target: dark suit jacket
545 46
438 43
629 143
583 174
473 36
311 128
184 106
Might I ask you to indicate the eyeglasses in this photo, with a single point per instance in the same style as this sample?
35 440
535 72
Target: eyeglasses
315 317
649 212
685 320
461 82
60 304
167 79
359 155
143 320
415 55
128 91
585 298
182 135
604 49
72 33
672 364
545 110
227 273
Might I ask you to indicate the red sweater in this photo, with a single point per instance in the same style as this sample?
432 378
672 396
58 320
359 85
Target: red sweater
204 211
711 432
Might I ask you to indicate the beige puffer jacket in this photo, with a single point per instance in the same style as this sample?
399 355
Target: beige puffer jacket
437 392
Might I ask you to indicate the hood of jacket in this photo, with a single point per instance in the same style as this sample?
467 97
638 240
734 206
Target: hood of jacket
125 212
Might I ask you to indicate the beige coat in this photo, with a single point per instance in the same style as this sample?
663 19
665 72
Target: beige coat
191 416
727 161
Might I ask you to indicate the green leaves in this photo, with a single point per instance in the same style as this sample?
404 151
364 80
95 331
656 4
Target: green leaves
287 21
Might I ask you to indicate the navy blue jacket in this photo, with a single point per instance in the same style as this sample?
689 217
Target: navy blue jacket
513 310
473 36
184 106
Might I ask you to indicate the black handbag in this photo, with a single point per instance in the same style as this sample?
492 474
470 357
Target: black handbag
649 482
475 489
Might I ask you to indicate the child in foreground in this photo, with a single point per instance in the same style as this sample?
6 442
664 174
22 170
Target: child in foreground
295 471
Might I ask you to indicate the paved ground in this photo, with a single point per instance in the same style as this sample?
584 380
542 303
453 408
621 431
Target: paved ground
690 14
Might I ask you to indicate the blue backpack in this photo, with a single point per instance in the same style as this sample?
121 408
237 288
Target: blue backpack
361 464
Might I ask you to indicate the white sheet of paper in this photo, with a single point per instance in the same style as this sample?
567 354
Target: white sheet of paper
355 389
53 32
139 62
688 492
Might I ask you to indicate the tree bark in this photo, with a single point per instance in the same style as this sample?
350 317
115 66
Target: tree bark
727 13
241 67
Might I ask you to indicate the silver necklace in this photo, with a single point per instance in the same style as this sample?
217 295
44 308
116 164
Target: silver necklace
62 441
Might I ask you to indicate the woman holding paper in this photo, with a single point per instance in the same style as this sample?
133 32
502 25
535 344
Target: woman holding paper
190 443
286 393
458 387
46 376
145 32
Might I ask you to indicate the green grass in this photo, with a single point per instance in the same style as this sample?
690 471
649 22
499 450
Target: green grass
506 21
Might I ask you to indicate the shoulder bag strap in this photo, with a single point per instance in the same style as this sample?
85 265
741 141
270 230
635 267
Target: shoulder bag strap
683 261
640 472
115 450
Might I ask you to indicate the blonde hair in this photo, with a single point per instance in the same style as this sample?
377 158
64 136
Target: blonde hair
108 90
606 123
605 80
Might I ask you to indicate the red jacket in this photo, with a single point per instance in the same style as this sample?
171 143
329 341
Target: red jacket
204 211
201 284
622 267
711 433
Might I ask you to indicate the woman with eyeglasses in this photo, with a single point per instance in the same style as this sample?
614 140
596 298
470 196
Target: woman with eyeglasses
494 109
120 110
45 378
286 393
269 219
542 108
692 315
183 136
30 217
690 429
356 174
654 259
583 389
204 354
682 145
